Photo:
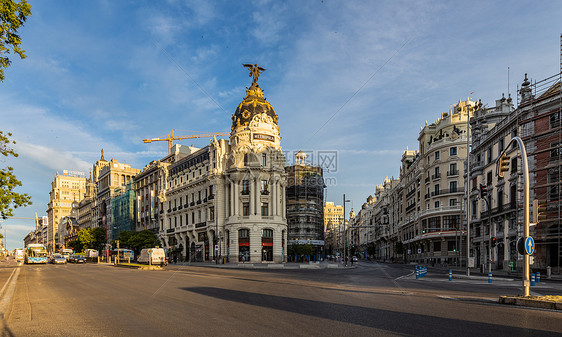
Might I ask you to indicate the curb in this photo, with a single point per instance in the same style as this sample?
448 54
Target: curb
125 265
530 302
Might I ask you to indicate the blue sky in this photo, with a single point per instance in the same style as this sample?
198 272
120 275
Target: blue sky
356 78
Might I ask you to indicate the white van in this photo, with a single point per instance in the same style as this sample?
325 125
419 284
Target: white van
154 256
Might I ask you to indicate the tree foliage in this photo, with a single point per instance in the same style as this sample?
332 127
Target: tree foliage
137 240
12 16
9 200
89 238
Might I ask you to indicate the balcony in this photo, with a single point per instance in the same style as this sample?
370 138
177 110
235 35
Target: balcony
192 203
448 191
174 209
427 180
205 200
436 176
170 230
211 197
180 207
199 202
186 205
265 192
200 225
161 211
245 192
169 210
452 173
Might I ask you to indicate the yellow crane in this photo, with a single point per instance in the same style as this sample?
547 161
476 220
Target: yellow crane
170 138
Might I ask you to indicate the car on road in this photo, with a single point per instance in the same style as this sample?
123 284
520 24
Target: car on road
76 259
57 259
354 259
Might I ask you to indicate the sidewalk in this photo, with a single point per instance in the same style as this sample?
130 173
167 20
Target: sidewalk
477 273
249 265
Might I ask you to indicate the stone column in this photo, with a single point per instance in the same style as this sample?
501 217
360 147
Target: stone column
235 198
273 199
252 196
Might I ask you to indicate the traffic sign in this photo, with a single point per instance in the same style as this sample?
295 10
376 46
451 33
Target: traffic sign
529 245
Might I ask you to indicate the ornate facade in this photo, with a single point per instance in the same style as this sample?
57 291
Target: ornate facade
227 200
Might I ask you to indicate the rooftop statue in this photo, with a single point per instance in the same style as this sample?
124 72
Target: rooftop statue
255 72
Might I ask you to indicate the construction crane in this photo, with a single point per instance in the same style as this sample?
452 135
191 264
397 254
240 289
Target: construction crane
170 138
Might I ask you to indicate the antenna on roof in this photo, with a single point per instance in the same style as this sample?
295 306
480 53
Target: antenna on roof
508 93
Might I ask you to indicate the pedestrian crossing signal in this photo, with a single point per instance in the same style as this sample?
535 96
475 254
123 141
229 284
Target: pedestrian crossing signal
503 165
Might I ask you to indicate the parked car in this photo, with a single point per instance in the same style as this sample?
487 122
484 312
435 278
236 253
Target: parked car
57 259
76 259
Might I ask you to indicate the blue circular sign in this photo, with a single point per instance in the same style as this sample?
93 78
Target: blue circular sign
529 245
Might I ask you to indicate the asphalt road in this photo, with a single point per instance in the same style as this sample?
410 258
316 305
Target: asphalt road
98 300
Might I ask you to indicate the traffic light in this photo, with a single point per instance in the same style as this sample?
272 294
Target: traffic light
503 165
494 241
539 210
483 191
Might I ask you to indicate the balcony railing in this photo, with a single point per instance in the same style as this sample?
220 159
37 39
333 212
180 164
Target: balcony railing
426 180
245 192
265 192
192 203
211 197
170 230
448 191
200 225
199 202
436 176
452 173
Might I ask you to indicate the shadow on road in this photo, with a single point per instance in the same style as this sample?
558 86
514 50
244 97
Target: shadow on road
398 322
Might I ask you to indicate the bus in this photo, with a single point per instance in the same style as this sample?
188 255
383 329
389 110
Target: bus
35 253
123 254
19 254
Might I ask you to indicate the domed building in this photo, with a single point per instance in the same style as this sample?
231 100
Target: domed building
234 192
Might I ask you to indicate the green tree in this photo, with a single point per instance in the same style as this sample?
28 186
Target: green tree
144 239
9 200
76 245
98 238
85 238
12 16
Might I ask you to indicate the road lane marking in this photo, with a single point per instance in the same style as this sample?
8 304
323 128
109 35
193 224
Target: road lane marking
9 288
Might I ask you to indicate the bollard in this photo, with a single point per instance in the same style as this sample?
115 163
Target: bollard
548 272
490 277
532 279
538 277
417 273
450 274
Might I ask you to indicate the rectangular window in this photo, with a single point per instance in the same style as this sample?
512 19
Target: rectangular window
453 186
554 151
264 187
452 246
212 213
489 178
554 120
264 159
245 187
453 151
436 155
453 169
452 202
437 204
246 159
264 209
500 145
489 155
437 246
246 209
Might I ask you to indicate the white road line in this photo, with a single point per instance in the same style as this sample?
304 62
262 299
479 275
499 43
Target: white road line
10 288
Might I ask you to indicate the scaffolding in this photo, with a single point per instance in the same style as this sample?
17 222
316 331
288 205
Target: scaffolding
542 131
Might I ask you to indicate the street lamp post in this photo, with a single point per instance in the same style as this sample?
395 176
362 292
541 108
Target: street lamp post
525 168
345 252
